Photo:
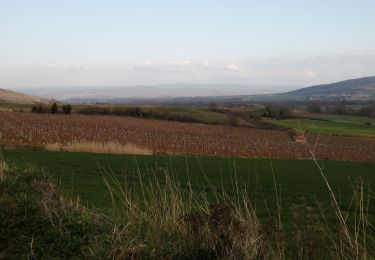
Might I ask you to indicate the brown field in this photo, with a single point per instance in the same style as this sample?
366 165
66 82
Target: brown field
162 137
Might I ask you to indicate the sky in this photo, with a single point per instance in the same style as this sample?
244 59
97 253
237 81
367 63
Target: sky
46 43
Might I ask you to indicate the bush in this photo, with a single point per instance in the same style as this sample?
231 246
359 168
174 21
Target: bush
37 222
67 109
277 112
39 108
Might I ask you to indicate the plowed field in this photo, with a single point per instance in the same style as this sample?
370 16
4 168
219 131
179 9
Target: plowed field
162 137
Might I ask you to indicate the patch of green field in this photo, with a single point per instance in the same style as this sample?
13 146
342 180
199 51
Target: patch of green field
332 125
13 106
298 181
201 114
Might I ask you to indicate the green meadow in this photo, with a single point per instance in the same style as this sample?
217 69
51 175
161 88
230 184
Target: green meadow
180 207
293 181
332 125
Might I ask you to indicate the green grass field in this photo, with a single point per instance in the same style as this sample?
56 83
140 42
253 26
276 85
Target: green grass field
13 106
162 225
81 174
200 114
332 125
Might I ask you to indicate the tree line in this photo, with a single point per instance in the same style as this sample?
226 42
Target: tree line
340 108
54 108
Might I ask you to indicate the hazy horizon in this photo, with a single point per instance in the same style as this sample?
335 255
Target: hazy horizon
117 43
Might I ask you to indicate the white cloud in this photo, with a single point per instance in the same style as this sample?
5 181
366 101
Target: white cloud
310 73
181 62
268 71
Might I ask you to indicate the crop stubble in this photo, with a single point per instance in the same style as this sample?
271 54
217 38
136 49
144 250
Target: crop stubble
163 137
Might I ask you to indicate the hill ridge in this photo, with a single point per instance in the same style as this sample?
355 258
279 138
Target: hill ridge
360 87
9 96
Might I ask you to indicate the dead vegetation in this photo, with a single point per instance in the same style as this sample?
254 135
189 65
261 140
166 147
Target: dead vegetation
95 147
3 169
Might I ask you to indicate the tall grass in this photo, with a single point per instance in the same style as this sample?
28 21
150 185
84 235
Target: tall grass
175 219
160 217
350 240
3 169
168 218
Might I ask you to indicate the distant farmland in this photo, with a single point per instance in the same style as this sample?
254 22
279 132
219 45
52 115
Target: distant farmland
161 137
332 125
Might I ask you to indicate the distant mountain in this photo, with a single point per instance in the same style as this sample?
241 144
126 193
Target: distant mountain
361 89
7 96
353 89
120 94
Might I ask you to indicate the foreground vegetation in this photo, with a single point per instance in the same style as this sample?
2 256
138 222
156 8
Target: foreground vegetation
81 174
160 214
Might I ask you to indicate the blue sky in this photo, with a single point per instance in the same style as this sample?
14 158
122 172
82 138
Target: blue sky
88 42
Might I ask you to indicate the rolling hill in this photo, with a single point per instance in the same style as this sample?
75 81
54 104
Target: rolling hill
7 96
360 89
353 89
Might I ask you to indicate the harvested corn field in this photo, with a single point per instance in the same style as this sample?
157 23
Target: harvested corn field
161 137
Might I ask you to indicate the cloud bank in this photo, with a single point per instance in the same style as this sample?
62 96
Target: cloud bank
276 71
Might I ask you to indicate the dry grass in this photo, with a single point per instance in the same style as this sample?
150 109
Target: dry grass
95 147
349 241
165 217
3 168
186 224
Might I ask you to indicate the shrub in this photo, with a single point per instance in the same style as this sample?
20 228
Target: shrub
277 112
67 109
39 108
